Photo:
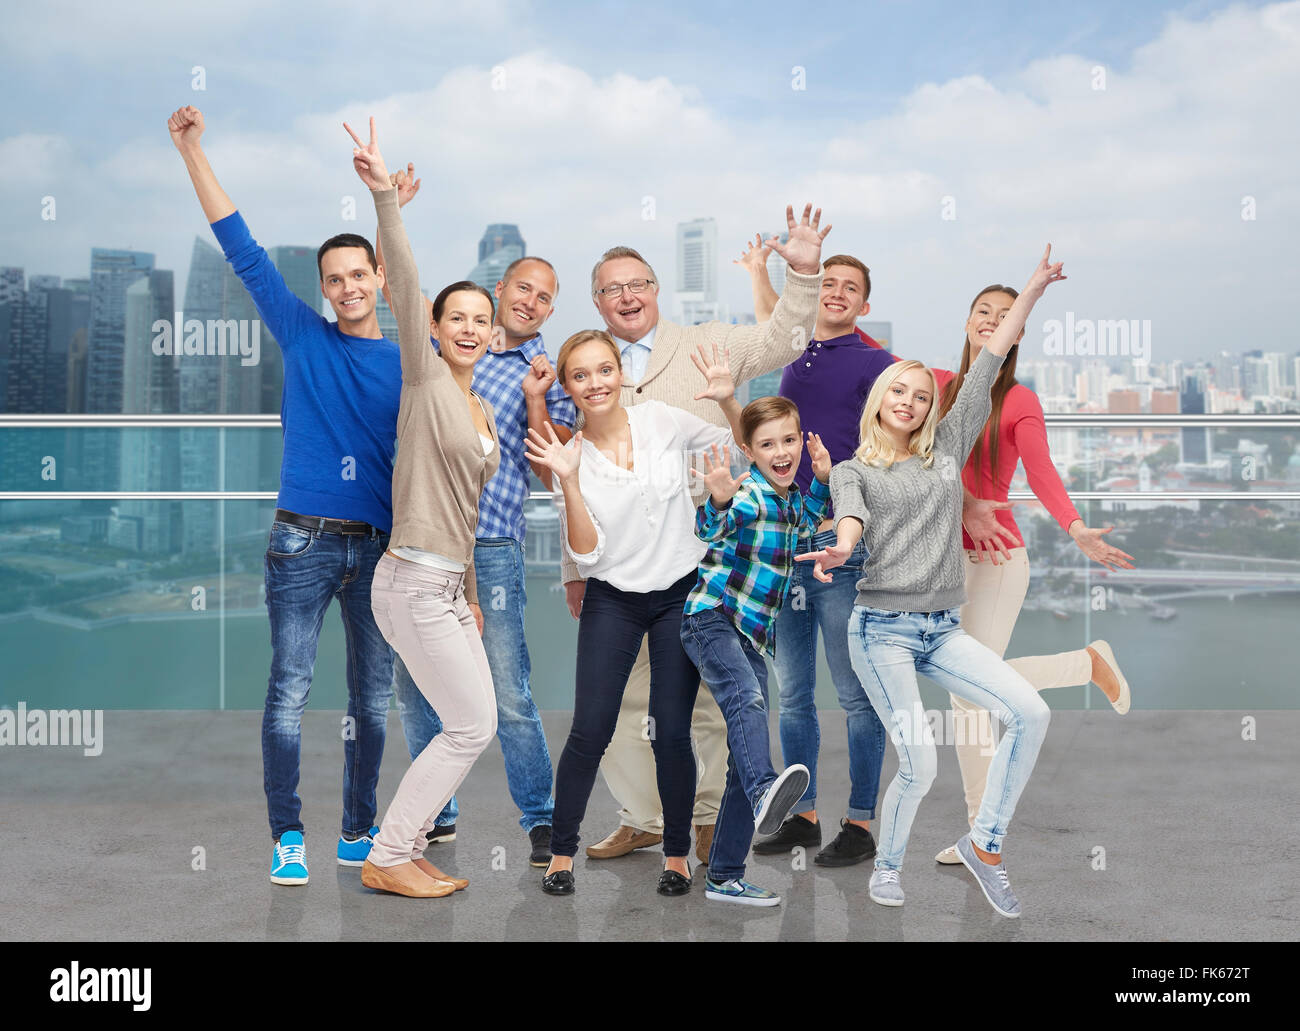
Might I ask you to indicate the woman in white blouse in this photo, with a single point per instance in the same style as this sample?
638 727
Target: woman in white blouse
629 525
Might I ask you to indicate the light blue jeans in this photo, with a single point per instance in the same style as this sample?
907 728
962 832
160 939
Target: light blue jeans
889 649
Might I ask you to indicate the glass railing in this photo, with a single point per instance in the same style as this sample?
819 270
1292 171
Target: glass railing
131 564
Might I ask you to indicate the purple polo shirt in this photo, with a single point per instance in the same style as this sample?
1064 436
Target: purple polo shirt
830 382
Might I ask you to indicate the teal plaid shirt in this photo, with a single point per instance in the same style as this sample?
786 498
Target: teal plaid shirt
746 571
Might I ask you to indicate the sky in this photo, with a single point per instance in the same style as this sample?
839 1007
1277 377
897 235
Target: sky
946 144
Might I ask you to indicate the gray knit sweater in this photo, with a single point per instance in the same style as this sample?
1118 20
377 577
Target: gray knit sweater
912 515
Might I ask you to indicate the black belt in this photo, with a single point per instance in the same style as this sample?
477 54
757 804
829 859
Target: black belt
349 527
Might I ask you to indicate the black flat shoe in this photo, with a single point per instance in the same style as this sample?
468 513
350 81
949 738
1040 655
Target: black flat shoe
558 883
673 883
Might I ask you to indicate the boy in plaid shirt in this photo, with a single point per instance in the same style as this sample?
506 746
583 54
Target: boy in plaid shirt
752 525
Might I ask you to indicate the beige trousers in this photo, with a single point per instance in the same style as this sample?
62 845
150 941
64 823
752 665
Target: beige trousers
994 595
422 613
629 762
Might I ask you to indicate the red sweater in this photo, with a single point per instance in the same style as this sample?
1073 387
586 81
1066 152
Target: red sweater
1023 438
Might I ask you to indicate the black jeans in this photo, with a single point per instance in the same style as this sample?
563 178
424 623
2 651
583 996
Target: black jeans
610 632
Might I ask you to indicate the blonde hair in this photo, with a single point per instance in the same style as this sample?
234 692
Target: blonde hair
584 336
875 448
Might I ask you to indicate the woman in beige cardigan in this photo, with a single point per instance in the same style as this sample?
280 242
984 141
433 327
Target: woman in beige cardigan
423 593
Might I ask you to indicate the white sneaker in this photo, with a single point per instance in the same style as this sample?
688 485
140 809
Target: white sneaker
780 798
948 857
885 887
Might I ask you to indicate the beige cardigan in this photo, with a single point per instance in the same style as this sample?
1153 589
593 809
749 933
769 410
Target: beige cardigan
440 468
672 377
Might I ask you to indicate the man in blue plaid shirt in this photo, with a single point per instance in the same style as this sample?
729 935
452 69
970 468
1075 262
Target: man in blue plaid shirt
753 526
516 378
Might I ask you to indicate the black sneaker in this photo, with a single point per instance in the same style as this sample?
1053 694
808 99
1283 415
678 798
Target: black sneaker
540 836
442 834
796 830
851 845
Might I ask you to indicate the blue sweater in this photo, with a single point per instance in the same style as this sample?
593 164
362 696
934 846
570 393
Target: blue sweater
341 393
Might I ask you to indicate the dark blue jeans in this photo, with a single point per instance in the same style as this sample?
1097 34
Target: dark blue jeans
812 607
610 632
736 673
499 573
305 569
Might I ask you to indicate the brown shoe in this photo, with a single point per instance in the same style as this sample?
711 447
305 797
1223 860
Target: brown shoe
459 883
404 879
703 841
624 840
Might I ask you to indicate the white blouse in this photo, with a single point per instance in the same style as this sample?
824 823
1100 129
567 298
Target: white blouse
644 517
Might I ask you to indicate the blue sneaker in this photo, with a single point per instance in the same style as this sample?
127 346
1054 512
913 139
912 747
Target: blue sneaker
354 853
289 860
743 892
991 879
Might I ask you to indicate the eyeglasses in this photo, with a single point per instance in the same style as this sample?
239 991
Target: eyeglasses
637 286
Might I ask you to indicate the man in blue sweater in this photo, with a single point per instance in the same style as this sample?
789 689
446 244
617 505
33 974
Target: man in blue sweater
342 383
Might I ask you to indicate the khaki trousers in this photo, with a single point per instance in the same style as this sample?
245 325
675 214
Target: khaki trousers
629 762
994 595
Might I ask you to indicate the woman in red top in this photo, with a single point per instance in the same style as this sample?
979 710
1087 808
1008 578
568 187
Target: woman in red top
996 589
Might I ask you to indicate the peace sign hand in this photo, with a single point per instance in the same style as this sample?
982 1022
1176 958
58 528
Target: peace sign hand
367 160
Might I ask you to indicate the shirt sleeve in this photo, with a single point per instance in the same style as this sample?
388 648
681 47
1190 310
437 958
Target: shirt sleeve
696 434
816 503
965 420
284 314
773 344
419 362
585 561
560 407
847 493
713 525
1029 434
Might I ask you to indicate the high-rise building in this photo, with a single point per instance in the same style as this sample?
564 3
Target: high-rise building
498 236
1196 442
78 320
696 295
150 458
111 273
12 285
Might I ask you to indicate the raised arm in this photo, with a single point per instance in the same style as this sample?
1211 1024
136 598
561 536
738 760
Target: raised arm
582 534
407 186
537 385
774 344
719 384
186 128
1009 328
754 261
418 360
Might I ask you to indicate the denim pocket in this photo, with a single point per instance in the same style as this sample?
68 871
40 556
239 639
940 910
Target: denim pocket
871 615
287 541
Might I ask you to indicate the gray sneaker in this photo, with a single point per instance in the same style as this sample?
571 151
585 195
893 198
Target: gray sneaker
885 887
780 798
991 879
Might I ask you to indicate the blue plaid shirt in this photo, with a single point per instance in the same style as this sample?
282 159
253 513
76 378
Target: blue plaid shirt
747 568
498 379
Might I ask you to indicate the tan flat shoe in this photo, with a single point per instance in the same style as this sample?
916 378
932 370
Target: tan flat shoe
404 879
1123 699
459 883
703 841
624 840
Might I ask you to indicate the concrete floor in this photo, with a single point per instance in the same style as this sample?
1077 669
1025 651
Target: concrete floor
1197 831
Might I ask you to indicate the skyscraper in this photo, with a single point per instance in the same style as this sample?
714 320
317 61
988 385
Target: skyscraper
111 273
776 265
498 236
696 295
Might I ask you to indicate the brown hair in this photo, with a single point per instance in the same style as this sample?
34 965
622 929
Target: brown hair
851 262
584 336
765 409
1006 379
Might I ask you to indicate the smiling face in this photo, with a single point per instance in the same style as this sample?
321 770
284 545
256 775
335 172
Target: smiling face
593 378
350 285
989 310
843 302
525 300
464 329
906 403
628 316
775 447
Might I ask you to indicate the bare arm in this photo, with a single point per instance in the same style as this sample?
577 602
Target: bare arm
754 261
186 128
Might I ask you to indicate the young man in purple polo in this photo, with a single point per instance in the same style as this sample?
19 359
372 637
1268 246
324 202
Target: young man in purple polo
829 382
